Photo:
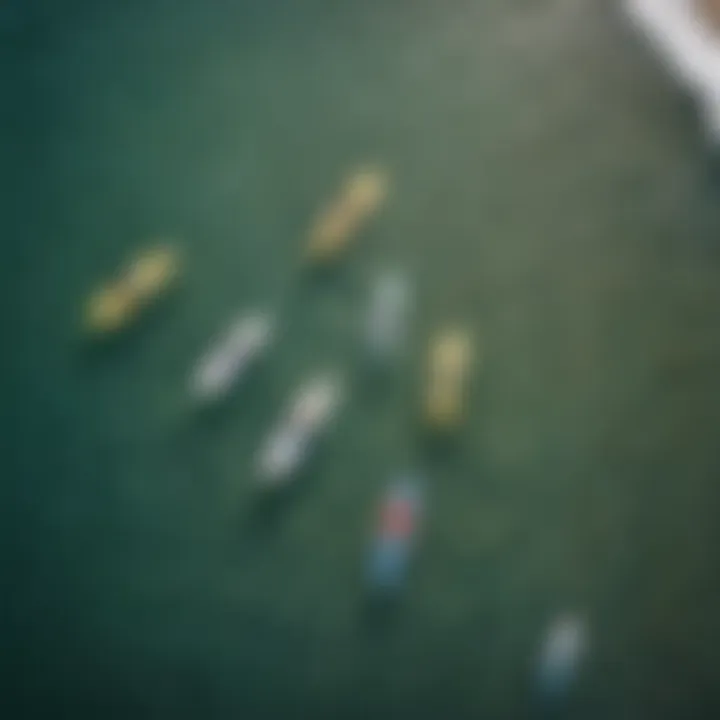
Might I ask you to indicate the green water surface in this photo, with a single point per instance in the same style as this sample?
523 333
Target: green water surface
548 190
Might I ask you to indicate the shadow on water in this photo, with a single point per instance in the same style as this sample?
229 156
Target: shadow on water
119 346
711 175
544 706
195 427
261 520
245 391
381 612
266 510
700 221
375 379
437 449
334 280
268 506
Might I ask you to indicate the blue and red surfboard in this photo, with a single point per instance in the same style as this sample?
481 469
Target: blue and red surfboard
396 534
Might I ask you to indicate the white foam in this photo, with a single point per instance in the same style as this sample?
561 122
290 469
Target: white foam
688 46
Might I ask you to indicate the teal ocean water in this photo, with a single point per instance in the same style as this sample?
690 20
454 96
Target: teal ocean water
549 191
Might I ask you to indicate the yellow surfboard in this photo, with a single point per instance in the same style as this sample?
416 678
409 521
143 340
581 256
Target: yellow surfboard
117 304
361 196
110 309
450 359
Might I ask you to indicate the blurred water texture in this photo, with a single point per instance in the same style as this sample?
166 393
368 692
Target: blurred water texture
549 190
